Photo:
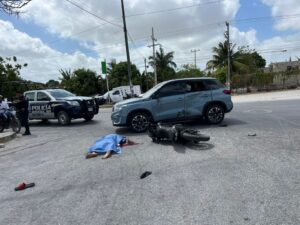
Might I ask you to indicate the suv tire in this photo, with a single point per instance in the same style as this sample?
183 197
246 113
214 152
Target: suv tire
139 122
214 114
63 118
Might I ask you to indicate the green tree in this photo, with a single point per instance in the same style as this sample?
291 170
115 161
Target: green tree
251 58
119 75
164 65
10 80
147 81
189 71
66 79
81 81
220 58
52 84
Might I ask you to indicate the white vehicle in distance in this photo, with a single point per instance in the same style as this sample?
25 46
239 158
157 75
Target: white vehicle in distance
118 94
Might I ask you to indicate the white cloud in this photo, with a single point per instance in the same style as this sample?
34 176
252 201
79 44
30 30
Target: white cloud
179 29
285 8
43 62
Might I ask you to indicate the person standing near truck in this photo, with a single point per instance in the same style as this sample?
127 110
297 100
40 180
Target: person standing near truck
22 106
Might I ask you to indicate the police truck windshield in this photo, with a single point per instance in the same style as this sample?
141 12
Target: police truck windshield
59 93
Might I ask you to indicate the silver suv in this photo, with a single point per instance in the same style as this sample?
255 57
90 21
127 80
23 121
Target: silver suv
175 100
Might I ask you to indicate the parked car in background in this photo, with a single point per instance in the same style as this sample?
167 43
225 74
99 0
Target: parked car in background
118 94
175 100
60 104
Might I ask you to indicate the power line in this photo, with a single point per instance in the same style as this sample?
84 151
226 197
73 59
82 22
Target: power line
93 14
174 9
136 48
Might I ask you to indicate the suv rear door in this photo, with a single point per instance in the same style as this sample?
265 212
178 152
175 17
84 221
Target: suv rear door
196 98
217 90
168 102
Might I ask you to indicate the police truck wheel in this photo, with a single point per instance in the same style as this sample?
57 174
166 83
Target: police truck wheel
63 118
89 117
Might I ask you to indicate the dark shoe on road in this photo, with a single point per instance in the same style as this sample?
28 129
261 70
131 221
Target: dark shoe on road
91 155
26 133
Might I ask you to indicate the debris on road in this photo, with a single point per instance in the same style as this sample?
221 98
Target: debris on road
252 135
23 186
223 125
108 145
145 174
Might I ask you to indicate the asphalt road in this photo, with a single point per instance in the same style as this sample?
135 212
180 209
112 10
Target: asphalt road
233 179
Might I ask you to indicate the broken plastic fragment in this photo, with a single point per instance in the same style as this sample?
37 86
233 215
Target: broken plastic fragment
145 174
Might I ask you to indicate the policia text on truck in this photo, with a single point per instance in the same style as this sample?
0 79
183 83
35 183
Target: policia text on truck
59 104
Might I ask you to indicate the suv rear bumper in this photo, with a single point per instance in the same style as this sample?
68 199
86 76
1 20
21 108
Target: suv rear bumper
229 107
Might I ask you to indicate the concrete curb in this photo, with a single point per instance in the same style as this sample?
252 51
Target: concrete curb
7 136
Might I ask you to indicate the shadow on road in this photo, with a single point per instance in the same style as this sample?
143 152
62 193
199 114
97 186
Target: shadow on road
128 132
203 124
191 124
182 148
53 123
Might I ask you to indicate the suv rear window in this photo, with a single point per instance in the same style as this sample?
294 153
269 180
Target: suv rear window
197 85
214 84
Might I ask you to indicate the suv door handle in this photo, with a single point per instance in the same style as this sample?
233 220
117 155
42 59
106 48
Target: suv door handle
180 99
205 95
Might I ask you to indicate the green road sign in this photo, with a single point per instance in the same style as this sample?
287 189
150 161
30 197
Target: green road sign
103 66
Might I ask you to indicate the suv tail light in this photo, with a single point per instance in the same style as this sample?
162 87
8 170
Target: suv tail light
227 92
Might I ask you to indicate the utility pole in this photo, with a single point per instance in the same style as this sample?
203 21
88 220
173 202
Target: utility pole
195 56
145 60
228 55
127 49
154 59
146 76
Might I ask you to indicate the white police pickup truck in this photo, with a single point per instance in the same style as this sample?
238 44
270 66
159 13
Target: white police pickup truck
59 104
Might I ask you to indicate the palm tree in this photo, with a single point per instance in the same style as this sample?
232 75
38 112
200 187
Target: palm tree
164 64
66 77
220 58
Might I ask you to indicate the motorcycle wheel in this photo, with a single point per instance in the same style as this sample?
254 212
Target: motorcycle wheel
193 135
15 125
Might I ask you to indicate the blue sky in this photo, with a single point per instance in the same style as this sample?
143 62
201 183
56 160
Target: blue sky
264 27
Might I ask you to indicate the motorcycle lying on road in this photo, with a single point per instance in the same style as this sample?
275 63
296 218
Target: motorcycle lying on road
175 133
8 120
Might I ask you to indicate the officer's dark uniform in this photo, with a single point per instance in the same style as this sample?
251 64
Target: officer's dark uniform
22 106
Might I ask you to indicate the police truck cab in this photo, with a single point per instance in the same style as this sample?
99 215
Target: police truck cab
59 104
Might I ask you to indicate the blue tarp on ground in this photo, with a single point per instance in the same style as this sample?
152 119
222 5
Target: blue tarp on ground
107 143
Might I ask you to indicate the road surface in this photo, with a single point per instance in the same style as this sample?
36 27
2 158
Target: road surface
233 179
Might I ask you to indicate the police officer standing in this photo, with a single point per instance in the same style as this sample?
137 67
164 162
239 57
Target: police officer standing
22 106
